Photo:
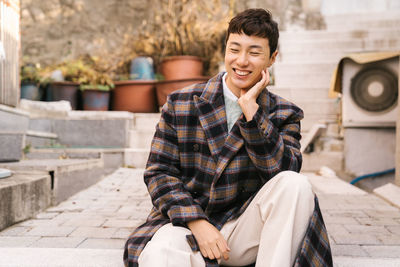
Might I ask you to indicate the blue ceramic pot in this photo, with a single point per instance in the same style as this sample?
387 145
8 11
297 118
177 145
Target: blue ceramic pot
142 69
30 91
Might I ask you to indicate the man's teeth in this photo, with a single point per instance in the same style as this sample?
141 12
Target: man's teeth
242 72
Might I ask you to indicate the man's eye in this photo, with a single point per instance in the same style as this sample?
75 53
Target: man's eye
255 53
234 50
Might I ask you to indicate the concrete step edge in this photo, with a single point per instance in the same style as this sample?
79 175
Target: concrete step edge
390 193
54 257
41 134
14 110
341 261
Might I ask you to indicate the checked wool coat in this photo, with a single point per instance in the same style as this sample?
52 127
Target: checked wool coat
197 169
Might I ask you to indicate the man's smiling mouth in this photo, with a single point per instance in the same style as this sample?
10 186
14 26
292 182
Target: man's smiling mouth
241 72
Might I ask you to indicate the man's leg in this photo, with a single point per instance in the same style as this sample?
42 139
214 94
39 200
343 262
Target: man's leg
169 248
272 227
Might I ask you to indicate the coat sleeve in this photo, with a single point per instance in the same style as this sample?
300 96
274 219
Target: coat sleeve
162 174
274 148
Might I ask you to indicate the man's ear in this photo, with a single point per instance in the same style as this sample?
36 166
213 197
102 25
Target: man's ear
272 59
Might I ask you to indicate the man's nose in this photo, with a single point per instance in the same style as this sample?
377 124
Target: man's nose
242 59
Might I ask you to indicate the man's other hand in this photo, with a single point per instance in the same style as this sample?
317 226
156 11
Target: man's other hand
211 242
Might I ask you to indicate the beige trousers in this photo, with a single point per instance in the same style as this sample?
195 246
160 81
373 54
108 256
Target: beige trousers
269 232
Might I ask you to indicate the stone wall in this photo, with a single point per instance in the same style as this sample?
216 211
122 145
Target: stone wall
55 30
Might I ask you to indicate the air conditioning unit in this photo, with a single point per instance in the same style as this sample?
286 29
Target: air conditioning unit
370 93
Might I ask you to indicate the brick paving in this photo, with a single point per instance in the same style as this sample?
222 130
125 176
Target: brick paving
359 224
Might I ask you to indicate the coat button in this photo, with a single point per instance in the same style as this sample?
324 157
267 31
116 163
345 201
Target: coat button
196 147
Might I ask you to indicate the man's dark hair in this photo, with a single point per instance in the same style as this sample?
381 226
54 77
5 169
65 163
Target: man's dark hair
255 22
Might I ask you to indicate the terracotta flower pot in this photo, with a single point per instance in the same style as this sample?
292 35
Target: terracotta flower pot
181 67
95 99
134 96
164 88
64 91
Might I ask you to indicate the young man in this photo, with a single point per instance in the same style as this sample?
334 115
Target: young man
223 169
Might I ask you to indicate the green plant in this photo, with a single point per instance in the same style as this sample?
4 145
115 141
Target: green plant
29 74
84 71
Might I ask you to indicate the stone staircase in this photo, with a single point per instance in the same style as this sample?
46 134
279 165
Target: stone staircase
306 61
69 151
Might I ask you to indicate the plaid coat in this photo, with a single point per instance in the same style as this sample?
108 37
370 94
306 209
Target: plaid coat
199 170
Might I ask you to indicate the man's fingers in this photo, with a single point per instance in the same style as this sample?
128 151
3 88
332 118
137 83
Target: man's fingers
203 252
216 252
210 254
223 247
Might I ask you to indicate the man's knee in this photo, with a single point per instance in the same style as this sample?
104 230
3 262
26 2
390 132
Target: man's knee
293 184
169 237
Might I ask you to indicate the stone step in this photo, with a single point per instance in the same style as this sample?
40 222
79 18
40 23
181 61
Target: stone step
314 161
70 257
326 47
14 124
57 257
380 20
288 68
22 195
298 94
11 145
322 46
102 129
136 157
337 35
40 139
302 80
145 121
113 158
365 262
68 176
13 119
325 181
311 56
310 119
319 106
141 138
390 193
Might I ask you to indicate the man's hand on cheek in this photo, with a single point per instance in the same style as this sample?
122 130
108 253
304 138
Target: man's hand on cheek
211 242
247 99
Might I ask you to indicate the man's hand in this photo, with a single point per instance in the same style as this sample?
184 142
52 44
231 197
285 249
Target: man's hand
247 99
211 242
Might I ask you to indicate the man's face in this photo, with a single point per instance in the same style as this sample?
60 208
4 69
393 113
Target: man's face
245 58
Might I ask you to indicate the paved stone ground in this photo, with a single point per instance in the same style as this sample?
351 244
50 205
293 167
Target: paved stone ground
364 230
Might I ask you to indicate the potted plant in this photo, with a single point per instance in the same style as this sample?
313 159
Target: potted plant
95 87
65 87
183 37
30 82
136 96
135 85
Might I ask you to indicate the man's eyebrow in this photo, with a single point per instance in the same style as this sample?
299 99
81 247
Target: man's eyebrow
251 47
255 47
234 43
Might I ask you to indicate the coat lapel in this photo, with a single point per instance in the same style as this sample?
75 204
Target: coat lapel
212 116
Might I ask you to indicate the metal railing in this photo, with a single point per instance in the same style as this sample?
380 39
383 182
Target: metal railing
9 52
